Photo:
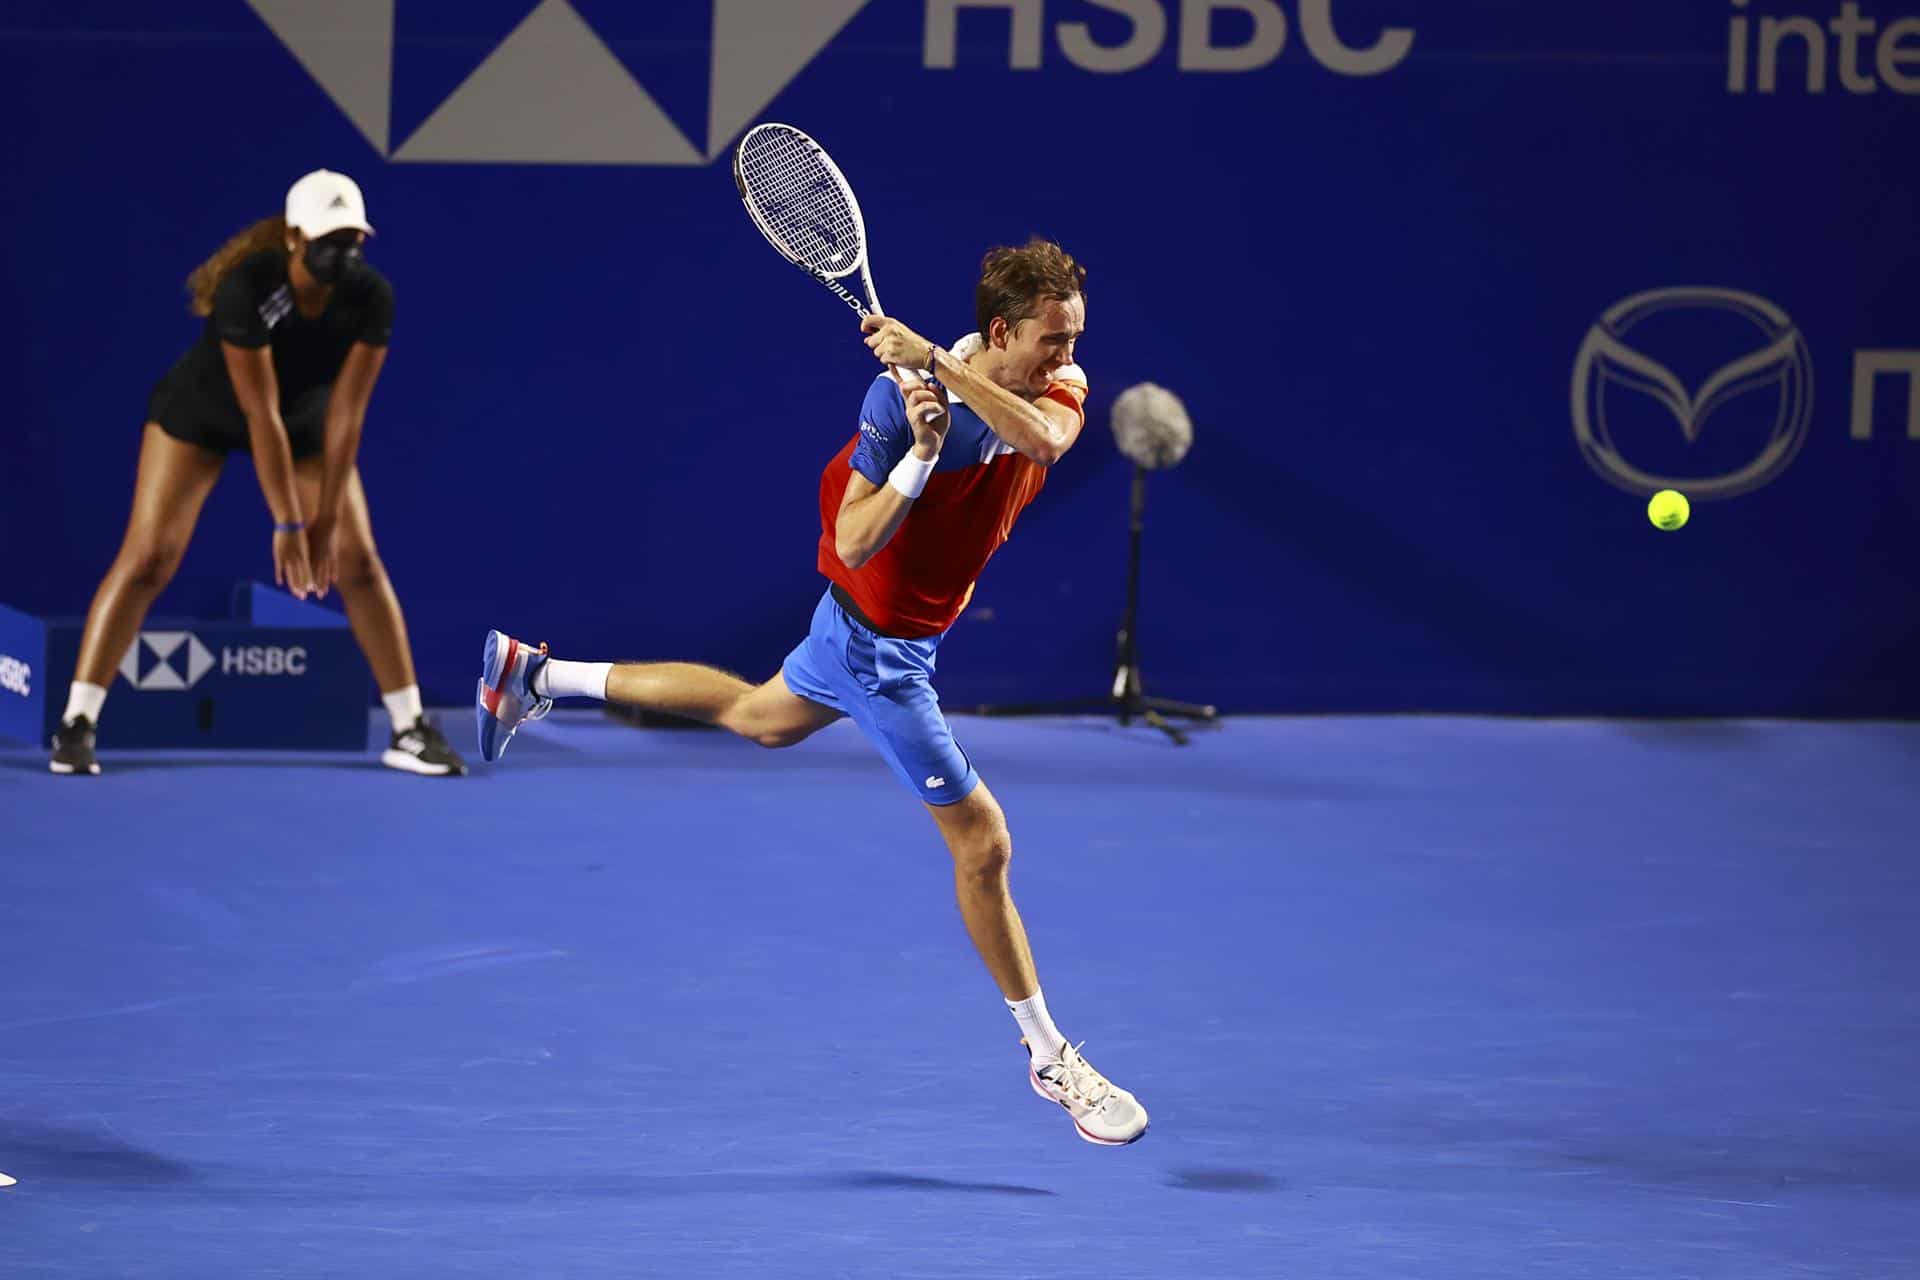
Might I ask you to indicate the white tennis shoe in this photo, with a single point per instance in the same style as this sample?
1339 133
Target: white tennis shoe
1103 1113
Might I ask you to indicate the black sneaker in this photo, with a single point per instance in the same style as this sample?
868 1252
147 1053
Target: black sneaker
73 748
421 749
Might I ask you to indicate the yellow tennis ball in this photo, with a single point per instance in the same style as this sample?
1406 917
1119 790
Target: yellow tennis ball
1668 509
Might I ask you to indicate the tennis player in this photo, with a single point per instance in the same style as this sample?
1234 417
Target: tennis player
911 511
296 333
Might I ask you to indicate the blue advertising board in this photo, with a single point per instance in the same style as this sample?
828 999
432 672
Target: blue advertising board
1448 289
281 674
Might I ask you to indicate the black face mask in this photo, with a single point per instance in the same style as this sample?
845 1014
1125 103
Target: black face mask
331 261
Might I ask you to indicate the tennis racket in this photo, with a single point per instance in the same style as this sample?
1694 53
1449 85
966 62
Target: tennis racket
806 209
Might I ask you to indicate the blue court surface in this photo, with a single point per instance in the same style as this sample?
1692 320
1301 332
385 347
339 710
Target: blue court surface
1407 997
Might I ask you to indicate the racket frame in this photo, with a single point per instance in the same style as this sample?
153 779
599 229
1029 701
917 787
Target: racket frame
870 305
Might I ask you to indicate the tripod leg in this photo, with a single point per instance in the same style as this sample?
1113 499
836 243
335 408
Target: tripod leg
1152 717
1191 710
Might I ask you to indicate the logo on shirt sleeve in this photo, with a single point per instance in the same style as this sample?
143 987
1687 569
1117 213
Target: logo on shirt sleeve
275 308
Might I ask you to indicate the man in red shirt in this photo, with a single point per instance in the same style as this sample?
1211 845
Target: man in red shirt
911 509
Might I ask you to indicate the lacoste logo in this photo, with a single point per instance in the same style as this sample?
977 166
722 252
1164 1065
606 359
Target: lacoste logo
935 781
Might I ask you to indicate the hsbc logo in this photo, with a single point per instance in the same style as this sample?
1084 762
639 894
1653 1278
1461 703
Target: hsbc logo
16 676
552 92
166 660
175 660
263 660
1149 22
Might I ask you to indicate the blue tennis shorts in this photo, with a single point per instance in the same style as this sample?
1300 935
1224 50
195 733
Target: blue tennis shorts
885 686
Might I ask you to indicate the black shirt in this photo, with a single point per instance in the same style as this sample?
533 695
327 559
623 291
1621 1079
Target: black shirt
254 307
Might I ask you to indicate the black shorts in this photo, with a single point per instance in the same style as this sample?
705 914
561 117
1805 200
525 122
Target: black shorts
195 415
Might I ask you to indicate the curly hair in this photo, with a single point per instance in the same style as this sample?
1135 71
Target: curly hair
1013 281
268 233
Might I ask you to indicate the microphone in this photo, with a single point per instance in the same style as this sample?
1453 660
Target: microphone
1151 426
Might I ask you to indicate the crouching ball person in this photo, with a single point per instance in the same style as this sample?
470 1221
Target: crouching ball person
911 510
297 324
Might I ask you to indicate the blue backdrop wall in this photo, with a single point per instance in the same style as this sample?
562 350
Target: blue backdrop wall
1448 289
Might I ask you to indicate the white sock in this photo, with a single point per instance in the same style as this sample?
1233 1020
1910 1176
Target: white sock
1037 1025
403 707
557 679
84 699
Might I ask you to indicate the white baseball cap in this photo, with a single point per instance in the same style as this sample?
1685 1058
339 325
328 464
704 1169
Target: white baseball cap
324 202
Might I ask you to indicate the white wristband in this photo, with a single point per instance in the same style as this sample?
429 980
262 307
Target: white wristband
909 475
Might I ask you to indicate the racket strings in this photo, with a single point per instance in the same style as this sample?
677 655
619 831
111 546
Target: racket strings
805 207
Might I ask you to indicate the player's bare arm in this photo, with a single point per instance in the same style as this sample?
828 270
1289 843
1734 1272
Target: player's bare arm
1041 428
256 390
346 417
871 514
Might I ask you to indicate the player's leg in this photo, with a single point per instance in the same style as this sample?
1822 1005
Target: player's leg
975 830
416 744
519 683
769 713
890 696
170 486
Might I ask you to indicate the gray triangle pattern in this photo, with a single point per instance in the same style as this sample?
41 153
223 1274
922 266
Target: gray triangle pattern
552 93
758 49
345 45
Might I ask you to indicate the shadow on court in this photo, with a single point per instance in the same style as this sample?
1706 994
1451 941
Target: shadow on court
46 1151
81 1157
876 1181
1223 1180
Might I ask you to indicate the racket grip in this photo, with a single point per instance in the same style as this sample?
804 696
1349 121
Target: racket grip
912 378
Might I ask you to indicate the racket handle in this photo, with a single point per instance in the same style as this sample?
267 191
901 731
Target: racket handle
908 377
912 378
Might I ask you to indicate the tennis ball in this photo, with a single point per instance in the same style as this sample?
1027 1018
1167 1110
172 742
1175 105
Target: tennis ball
1668 509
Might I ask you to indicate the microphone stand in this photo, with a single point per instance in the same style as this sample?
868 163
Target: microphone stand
1127 697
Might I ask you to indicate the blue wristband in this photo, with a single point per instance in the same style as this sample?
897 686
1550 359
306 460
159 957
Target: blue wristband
292 526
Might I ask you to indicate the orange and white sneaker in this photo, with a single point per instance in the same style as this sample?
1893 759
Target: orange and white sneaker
1102 1112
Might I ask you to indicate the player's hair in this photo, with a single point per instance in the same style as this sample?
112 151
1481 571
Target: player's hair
268 233
1013 281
